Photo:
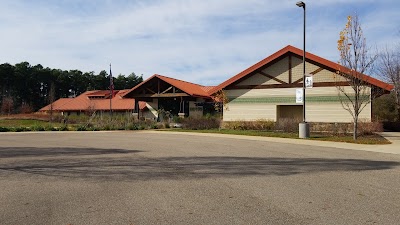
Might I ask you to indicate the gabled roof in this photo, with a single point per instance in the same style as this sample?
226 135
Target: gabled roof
85 102
192 89
309 57
57 104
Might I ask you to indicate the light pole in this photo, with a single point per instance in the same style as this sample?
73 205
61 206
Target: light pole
304 128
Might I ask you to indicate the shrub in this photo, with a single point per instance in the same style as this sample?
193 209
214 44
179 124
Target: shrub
166 125
37 128
261 124
331 128
200 123
288 125
50 127
132 126
20 129
4 129
367 128
81 128
63 128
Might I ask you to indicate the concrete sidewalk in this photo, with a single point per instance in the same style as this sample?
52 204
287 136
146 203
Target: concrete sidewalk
393 148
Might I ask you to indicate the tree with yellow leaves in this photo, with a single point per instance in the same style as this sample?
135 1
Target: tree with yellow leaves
356 94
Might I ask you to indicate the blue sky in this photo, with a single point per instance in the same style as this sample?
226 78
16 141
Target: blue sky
201 41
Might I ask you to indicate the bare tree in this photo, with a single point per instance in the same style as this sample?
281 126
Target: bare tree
7 105
220 101
389 69
355 95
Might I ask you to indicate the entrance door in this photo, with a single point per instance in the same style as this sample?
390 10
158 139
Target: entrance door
174 105
289 112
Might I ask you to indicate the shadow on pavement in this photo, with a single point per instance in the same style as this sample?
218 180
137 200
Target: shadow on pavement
11 152
134 167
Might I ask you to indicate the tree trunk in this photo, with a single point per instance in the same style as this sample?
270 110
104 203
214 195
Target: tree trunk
355 128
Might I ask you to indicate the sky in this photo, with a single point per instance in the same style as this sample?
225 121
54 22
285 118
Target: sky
200 41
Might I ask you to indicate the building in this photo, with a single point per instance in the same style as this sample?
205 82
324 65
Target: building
97 101
172 96
267 90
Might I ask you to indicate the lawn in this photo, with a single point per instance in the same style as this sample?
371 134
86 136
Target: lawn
24 123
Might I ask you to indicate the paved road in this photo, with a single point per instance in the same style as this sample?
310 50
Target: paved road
168 178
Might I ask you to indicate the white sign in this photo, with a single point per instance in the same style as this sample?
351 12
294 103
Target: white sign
309 82
299 95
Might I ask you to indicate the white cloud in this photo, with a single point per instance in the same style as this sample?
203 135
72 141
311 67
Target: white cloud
200 41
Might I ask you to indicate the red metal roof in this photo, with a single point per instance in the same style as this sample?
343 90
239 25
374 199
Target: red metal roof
57 104
85 102
299 52
189 88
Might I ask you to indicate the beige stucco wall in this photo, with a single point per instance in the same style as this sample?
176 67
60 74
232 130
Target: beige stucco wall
322 104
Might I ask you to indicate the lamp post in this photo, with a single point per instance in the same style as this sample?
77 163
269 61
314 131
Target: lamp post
304 128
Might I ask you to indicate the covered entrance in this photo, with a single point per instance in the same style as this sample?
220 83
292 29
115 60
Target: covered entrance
165 94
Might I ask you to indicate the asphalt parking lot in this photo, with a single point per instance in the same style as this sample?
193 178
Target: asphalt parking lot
169 178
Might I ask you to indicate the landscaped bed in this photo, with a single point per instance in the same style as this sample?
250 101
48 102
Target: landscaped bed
285 129
365 139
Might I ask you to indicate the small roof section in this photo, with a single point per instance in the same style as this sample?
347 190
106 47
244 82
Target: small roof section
309 57
192 89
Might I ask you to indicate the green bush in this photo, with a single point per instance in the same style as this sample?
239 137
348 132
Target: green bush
37 128
81 128
63 128
20 129
132 127
4 129
50 127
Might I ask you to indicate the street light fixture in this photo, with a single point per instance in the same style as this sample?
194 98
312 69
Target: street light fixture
304 128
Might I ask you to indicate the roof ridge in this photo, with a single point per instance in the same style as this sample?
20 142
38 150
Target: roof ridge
180 80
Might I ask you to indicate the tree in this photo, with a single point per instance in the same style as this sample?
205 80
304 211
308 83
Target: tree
7 106
384 108
127 82
389 70
355 57
220 101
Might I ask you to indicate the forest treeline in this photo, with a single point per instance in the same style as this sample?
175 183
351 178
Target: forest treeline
26 88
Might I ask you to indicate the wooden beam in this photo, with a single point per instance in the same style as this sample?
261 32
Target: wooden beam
271 77
313 73
293 85
150 90
298 81
317 71
166 90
